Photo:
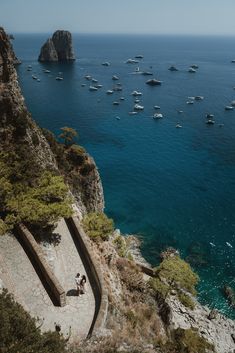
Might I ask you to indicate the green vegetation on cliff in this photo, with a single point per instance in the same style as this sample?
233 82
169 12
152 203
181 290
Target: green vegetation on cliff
98 226
35 200
19 332
173 273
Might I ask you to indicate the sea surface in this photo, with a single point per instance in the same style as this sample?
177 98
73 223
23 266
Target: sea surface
172 187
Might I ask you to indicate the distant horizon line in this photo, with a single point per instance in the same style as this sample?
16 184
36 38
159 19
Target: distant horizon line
132 34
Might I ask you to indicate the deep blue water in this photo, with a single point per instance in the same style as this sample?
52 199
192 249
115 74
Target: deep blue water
172 187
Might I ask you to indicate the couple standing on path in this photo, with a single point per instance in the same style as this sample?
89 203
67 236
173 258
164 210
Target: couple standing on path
80 282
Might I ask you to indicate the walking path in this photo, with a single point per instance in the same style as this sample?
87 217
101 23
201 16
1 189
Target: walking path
18 274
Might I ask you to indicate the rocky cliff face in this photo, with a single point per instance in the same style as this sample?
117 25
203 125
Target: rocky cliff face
19 134
58 48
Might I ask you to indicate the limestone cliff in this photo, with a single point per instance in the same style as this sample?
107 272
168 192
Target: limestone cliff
19 134
58 48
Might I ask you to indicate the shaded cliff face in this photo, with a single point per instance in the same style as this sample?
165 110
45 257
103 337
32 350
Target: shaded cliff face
58 48
23 139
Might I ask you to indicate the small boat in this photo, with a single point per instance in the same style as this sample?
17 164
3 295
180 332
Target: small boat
137 69
98 86
233 61
132 61
93 88
58 78
229 107
136 93
192 70
153 82
29 66
118 117
115 78
228 244
122 98
115 103
109 91
191 98
190 102
137 100
29 69
106 63
180 111
94 80
34 77
83 84
212 244
220 125
47 71
38 79
232 103
139 56
178 126
173 68
157 107
209 116
88 77
132 113
117 88
158 116
194 66
198 98
138 107
147 73
210 122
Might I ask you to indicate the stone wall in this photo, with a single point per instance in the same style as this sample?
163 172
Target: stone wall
48 278
94 273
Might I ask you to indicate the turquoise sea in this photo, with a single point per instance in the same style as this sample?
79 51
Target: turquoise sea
172 187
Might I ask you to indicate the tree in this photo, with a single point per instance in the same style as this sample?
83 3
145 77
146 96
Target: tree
98 225
68 135
19 331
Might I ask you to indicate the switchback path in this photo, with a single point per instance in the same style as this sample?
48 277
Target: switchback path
19 276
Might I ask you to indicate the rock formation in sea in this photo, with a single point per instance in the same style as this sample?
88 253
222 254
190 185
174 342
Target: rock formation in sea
58 48
20 133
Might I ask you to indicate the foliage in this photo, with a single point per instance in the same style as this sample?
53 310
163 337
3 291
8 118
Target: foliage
98 225
187 341
19 333
131 276
121 247
38 201
68 135
175 274
178 274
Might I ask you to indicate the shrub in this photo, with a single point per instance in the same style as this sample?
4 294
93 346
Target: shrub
98 225
76 154
68 135
87 168
19 333
186 300
120 244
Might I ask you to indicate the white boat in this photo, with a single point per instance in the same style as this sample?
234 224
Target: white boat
139 56
93 88
209 116
94 80
137 101
58 78
178 126
157 107
118 117
198 98
153 82
232 103
117 88
180 111
106 63
233 61
34 77
147 73
122 98
132 113
47 71
138 107
194 66
109 91
158 116
191 98
88 77
29 69
98 86
83 84
132 61
136 93
115 78
192 70
229 107
38 80
189 102
210 122
115 103
228 244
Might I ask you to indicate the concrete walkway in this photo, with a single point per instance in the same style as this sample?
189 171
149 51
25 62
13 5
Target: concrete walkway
19 276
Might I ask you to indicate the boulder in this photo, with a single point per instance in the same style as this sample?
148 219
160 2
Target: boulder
58 48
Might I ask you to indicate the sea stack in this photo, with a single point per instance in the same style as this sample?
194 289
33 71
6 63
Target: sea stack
58 48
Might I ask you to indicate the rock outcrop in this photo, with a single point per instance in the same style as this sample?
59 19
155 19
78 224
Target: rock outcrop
20 134
58 48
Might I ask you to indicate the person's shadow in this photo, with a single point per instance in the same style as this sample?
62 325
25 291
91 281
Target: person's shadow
72 293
